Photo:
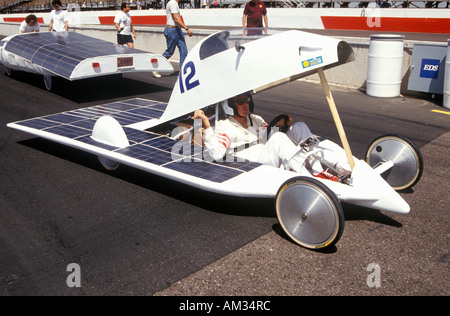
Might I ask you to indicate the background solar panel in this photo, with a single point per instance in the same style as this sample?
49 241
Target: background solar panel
144 146
62 52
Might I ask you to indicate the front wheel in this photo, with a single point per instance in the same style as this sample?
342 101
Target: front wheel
48 82
310 213
108 164
406 157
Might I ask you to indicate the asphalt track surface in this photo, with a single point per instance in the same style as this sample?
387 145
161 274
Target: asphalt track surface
137 234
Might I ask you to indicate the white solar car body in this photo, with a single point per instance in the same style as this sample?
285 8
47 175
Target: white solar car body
134 132
74 56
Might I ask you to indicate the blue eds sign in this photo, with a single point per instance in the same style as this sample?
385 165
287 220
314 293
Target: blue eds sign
430 68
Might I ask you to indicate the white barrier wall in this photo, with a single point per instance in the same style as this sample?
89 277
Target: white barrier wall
407 20
152 39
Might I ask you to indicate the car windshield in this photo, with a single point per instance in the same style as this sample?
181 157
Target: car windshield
224 40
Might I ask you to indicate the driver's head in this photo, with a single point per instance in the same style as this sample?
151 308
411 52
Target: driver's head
241 104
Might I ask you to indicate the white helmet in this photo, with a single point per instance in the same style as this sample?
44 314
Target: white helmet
229 108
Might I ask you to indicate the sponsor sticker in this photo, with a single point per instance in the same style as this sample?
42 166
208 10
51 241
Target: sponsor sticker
312 62
430 68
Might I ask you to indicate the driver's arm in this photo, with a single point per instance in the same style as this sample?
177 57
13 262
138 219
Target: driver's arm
216 142
199 114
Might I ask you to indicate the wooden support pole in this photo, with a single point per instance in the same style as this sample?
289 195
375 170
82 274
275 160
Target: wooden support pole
337 119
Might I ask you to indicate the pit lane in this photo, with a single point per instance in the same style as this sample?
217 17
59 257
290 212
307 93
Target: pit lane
137 234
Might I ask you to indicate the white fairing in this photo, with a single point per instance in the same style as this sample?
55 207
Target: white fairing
99 65
108 131
108 66
245 63
14 62
367 188
223 65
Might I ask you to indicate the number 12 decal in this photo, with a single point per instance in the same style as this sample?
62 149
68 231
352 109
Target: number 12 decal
188 80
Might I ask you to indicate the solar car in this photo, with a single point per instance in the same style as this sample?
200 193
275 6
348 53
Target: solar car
161 138
74 56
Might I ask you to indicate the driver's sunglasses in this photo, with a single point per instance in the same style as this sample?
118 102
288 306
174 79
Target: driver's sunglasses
242 101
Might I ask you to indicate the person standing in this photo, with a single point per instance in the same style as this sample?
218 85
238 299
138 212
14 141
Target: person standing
59 20
173 33
254 13
124 27
30 24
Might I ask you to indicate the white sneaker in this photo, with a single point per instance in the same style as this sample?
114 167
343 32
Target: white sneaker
156 74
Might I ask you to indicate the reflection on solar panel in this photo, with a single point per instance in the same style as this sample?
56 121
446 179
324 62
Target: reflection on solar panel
62 52
147 147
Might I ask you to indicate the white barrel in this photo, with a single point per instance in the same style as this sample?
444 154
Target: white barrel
447 78
384 74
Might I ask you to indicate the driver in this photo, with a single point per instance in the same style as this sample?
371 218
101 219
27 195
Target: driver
244 129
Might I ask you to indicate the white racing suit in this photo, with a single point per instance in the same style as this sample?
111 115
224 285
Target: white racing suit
231 139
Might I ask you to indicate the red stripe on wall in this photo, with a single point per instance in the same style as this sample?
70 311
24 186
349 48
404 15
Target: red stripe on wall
137 20
414 25
19 20
106 19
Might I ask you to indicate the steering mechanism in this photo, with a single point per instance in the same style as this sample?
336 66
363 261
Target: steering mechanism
283 127
309 143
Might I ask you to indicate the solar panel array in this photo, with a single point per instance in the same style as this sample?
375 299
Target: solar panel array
145 146
61 52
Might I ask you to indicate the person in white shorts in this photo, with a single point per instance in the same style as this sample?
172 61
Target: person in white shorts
125 30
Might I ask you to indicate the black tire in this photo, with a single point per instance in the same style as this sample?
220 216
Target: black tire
48 82
310 213
407 159
9 72
108 164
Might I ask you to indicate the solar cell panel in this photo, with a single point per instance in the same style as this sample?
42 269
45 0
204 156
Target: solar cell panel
68 131
63 118
38 123
62 52
148 147
87 139
205 170
138 136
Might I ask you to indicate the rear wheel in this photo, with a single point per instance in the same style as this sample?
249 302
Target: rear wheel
310 213
406 157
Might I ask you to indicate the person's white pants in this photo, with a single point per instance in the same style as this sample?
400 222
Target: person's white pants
282 150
